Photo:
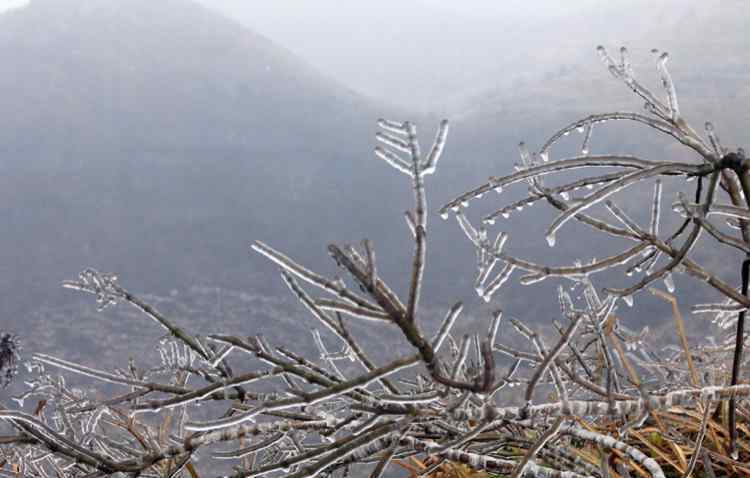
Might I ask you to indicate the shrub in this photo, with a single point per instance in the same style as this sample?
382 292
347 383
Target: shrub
605 396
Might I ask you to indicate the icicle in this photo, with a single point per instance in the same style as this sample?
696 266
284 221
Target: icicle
495 325
498 282
628 300
468 229
500 241
530 279
611 66
393 160
666 81
393 142
430 164
525 155
655 209
392 126
717 308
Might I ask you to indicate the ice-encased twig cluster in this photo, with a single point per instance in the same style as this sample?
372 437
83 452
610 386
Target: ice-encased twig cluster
587 390
653 254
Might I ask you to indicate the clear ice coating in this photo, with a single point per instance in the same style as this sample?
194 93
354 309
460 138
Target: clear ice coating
314 405
669 282
655 209
585 147
666 80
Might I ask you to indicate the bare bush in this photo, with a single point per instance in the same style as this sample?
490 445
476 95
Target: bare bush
593 391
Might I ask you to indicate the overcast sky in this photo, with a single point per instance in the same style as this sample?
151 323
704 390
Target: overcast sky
436 55
428 54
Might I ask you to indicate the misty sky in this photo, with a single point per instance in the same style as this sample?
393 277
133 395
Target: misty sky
10 4
439 55
436 54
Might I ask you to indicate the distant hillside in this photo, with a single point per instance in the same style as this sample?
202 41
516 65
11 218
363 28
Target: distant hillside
157 139
164 76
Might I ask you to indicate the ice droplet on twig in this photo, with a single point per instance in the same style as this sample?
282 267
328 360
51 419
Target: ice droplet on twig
628 300
550 239
525 155
669 282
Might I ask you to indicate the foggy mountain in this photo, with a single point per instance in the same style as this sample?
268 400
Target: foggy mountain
158 139
435 55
